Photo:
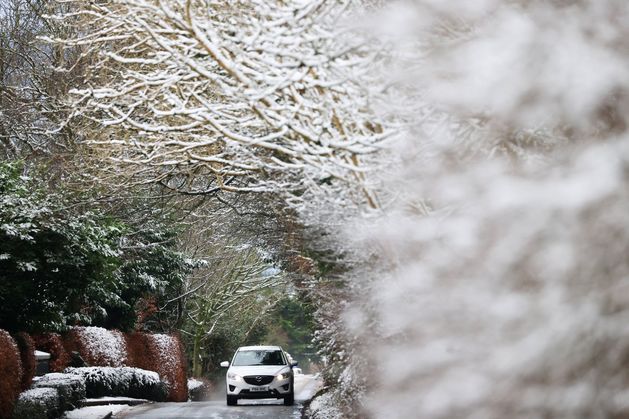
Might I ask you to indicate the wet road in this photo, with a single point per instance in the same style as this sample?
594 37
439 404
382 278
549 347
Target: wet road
215 410
305 387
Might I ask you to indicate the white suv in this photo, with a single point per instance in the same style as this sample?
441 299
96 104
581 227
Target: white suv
260 372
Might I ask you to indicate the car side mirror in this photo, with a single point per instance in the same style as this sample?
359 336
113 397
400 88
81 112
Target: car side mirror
293 364
225 364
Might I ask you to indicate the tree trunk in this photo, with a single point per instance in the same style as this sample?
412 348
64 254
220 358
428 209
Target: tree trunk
197 365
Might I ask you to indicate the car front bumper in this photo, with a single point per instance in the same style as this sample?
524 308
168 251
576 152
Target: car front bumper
276 389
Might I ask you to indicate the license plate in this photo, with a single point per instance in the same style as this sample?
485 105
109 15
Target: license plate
258 389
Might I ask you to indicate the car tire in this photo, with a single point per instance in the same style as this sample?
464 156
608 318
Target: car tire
232 400
289 399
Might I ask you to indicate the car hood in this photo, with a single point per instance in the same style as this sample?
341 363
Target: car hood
258 369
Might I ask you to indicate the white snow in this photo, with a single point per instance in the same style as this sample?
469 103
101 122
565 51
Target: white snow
95 412
194 384
114 400
306 385
275 58
324 407
43 394
58 376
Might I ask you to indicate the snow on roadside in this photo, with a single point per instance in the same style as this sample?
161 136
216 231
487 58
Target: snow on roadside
95 412
114 400
194 384
324 407
307 385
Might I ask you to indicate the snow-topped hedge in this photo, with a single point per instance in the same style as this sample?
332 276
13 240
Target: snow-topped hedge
71 388
98 346
121 381
171 366
154 356
38 403
55 393
110 348
164 354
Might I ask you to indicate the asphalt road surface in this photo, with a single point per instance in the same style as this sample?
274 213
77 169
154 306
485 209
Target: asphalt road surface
305 387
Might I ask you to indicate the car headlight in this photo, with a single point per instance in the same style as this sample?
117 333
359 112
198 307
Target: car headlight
233 376
284 376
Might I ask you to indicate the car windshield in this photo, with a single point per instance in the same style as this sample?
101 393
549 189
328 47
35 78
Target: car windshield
258 357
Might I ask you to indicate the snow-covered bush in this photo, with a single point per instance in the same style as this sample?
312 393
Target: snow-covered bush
10 374
98 346
339 350
194 384
199 389
38 403
121 381
169 361
70 388
163 354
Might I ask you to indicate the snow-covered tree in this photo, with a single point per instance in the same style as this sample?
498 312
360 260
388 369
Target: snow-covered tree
61 265
34 78
238 282
239 96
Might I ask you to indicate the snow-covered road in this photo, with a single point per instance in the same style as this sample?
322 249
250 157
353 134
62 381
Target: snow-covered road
305 387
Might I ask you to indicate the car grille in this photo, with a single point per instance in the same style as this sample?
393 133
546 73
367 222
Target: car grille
258 380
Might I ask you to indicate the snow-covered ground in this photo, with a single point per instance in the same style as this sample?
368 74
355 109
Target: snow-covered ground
114 400
324 407
306 386
102 406
96 412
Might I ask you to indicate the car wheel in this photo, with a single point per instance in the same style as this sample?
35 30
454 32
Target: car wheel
289 399
232 400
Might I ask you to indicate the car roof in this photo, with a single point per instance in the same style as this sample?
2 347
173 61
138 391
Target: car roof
259 348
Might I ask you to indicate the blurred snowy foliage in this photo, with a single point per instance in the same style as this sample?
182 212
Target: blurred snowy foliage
497 269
